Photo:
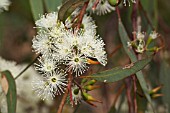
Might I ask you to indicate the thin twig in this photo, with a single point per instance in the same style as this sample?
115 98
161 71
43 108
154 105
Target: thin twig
118 13
65 94
118 94
134 22
128 94
82 14
26 67
115 50
95 4
134 91
134 18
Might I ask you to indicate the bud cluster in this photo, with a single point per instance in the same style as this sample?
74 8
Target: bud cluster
140 45
80 93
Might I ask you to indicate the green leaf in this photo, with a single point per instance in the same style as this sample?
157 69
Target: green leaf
36 8
119 73
51 5
11 94
124 39
68 7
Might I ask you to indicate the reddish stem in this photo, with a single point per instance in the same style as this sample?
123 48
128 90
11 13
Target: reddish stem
115 50
95 4
128 94
65 94
81 15
118 13
135 91
134 22
134 18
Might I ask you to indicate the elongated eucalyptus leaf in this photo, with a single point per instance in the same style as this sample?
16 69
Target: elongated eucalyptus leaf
68 7
51 5
36 8
124 39
11 94
119 73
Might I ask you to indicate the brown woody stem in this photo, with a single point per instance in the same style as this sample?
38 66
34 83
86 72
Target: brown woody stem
81 15
65 94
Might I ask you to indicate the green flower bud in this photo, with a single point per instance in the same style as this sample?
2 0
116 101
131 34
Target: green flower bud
114 2
76 91
90 87
91 82
87 97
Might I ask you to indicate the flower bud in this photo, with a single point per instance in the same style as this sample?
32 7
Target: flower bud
76 91
114 2
154 49
156 95
155 90
90 61
90 87
91 82
87 97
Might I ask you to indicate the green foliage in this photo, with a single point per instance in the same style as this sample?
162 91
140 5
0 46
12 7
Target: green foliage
36 8
11 94
119 73
51 5
124 39
68 7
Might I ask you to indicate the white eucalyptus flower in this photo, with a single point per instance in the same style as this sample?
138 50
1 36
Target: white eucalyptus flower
140 35
43 43
88 24
51 85
64 48
58 30
103 7
46 65
4 4
76 94
9 65
153 35
140 42
47 21
77 63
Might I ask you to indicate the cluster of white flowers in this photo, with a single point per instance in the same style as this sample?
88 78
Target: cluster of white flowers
25 94
139 44
153 35
62 46
4 4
